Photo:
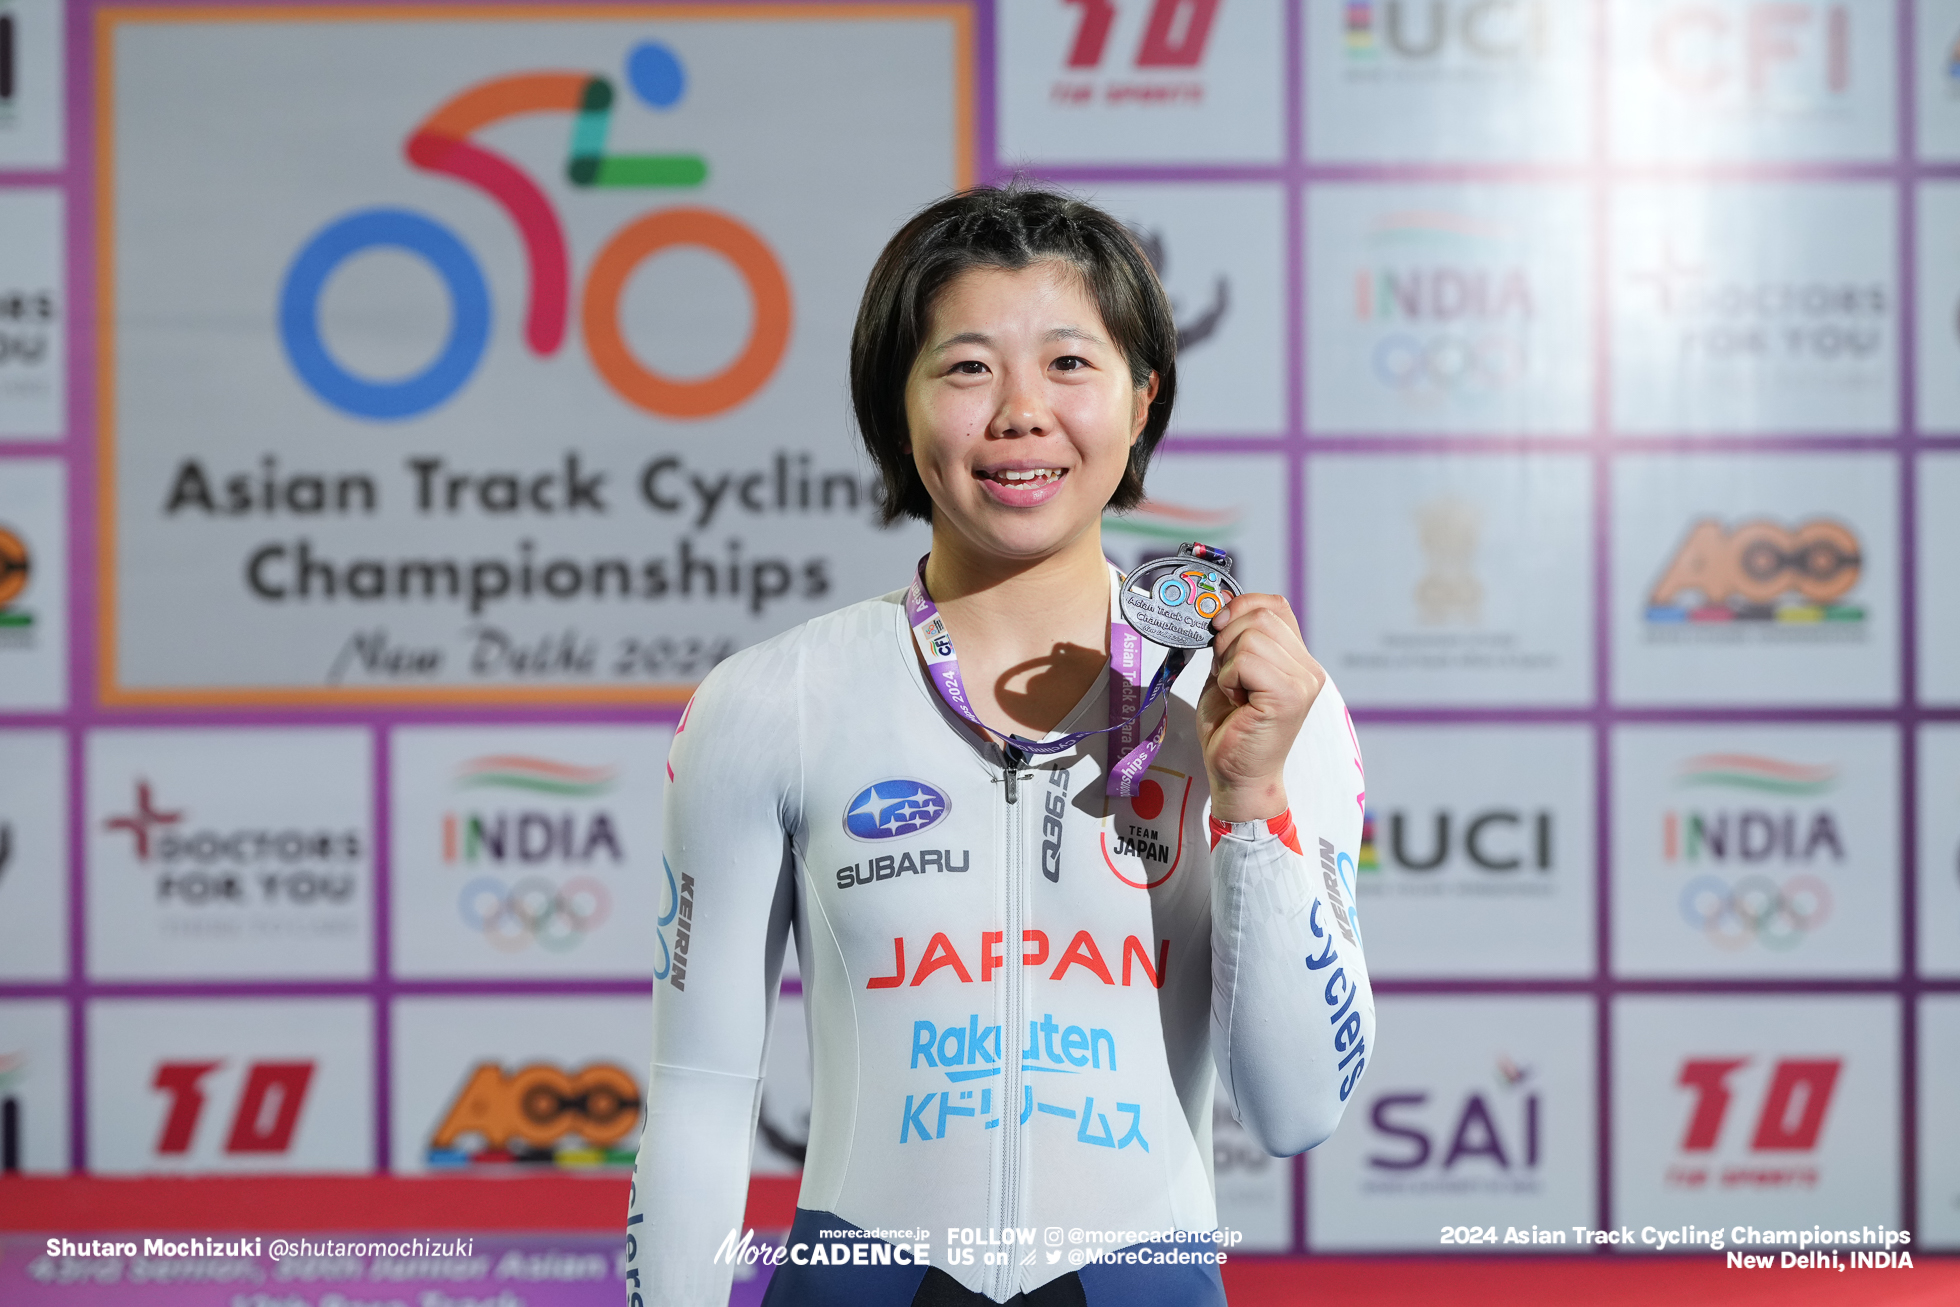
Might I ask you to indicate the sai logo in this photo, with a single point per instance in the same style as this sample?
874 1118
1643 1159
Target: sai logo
441 144
1751 573
1493 1136
889 809
536 1113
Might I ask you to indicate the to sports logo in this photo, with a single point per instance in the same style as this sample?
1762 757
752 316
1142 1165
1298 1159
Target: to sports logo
1791 1119
1174 36
442 144
264 1120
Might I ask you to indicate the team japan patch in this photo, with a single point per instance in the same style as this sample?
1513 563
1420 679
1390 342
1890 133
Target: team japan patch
1143 837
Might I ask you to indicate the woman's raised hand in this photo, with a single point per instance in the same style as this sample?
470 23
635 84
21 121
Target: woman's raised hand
1262 683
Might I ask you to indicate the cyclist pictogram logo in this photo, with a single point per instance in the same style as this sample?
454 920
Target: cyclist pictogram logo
442 144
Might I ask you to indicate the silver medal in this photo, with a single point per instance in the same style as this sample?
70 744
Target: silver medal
1172 600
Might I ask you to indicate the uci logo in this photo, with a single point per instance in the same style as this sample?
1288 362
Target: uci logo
442 144
893 808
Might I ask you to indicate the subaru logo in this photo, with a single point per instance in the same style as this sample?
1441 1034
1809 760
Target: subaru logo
890 809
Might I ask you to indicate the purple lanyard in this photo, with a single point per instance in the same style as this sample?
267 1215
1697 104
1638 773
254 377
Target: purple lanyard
1127 700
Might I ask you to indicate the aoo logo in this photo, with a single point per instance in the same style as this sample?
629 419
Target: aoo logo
16 570
539 1113
442 144
1761 571
889 809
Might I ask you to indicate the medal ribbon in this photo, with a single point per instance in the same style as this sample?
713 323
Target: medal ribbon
1128 700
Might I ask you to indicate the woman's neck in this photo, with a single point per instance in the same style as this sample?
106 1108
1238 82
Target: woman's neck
1033 635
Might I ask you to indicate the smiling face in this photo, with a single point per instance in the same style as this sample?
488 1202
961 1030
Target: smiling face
1021 411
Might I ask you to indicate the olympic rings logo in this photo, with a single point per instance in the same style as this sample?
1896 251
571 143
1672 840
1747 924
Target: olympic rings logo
1194 586
556 916
441 144
1757 908
1449 362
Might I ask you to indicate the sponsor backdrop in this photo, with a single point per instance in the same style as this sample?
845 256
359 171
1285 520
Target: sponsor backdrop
400 411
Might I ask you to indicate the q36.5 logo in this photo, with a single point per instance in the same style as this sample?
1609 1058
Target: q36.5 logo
442 144
889 809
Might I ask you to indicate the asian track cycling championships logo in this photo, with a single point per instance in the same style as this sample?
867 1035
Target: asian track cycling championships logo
1760 577
533 837
441 144
1754 855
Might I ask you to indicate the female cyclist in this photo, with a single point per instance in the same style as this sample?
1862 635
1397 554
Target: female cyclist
1027 943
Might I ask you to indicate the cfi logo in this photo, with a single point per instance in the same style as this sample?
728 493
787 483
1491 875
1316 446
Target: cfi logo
889 809
1793 1111
264 1120
1767 55
539 1113
1489 32
1448 299
1755 907
1488 1140
1760 572
443 144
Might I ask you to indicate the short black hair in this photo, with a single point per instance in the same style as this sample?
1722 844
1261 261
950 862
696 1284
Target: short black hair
1007 227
